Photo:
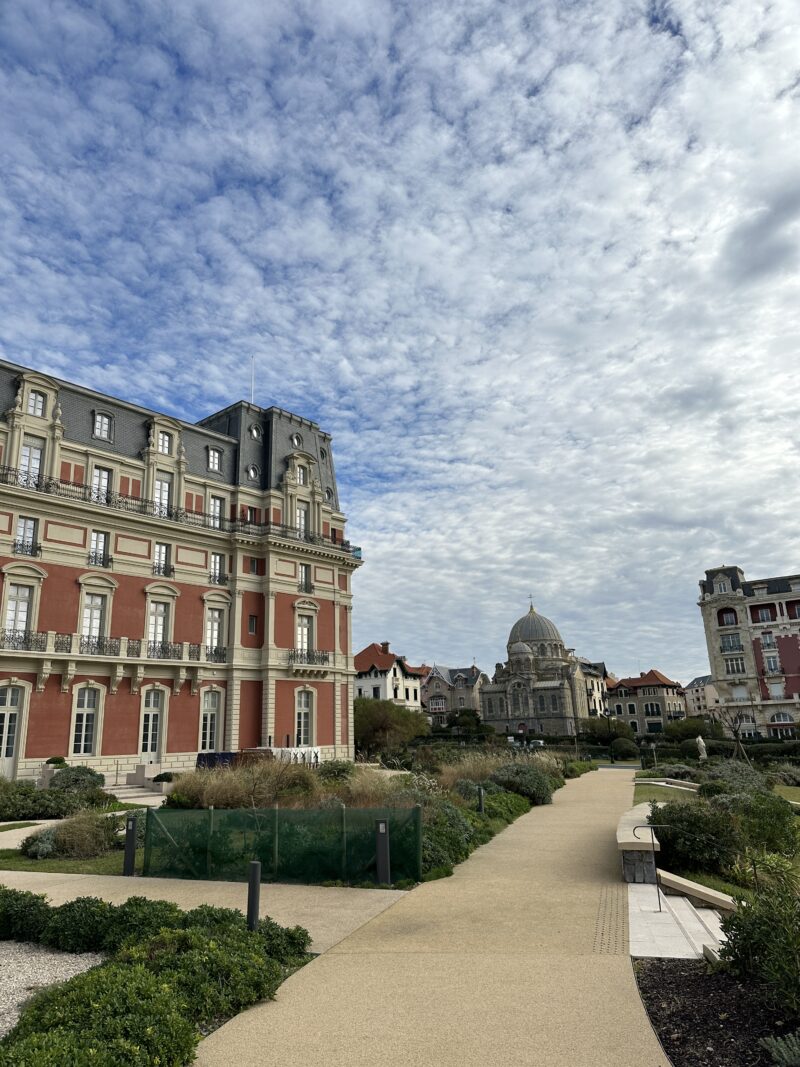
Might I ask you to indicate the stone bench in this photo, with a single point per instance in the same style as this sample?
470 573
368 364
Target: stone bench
637 849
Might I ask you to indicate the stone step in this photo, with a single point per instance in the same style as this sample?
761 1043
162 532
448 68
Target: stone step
654 933
712 920
697 934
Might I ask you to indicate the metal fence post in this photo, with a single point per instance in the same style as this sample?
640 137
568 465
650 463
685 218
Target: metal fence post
129 860
382 851
253 894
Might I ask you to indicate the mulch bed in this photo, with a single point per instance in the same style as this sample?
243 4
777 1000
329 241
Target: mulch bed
706 1019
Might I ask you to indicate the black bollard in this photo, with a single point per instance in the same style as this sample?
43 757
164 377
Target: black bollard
382 851
253 894
129 859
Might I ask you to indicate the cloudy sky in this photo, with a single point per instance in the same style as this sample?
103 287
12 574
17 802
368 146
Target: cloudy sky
534 265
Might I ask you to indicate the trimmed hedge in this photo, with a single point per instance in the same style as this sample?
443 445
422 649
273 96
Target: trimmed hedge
527 780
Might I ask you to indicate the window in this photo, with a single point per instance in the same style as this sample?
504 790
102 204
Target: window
730 642
215 618
617 709
305 630
253 565
102 426
161 559
101 485
653 709
93 620
214 459
252 516
10 709
771 664
767 640
162 493
303 725
727 618
255 432
416 694
164 443
217 504
208 724
734 665
30 461
722 587
407 697
151 722
763 615
654 727
302 475
631 709
460 702
85 721
18 607
36 403
253 472
217 575
252 624
25 543
158 622
297 440
302 513
98 549
376 692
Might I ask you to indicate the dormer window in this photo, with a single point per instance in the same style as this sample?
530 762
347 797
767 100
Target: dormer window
302 475
102 426
722 587
164 443
36 403
215 459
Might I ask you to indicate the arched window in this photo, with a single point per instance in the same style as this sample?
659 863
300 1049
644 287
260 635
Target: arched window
489 706
153 722
781 716
11 708
515 701
87 718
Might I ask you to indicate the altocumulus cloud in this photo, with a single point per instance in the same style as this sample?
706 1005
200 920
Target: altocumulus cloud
533 264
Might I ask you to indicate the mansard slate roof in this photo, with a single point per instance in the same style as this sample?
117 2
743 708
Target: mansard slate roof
534 627
782 584
449 674
229 430
652 678
700 681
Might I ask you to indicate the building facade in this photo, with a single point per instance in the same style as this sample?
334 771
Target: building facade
541 688
448 691
646 703
167 588
701 696
597 678
383 675
753 636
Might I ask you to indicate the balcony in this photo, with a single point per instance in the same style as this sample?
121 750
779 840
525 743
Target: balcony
164 570
23 640
164 650
725 647
87 494
99 559
26 548
217 578
99 646
216 654
305 587
310 657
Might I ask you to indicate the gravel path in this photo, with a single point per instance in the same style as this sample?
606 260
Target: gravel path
25 969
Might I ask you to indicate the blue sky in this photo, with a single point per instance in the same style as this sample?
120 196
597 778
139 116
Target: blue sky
533 265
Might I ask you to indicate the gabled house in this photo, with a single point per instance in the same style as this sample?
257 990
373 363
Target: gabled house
383 675
450 690
646 703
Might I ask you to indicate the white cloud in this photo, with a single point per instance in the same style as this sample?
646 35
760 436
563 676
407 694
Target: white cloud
534 267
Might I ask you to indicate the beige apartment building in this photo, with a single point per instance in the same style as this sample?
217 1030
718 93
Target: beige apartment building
753 636
646 703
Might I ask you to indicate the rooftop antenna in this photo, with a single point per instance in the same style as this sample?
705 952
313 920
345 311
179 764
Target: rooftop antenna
252 379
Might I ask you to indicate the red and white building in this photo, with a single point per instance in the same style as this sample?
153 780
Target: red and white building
383 675
167 588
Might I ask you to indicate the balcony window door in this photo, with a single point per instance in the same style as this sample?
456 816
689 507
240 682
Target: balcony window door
216 504
161 555
26 536
215 618
303 724
302 514
85 721
94 616
157 623
151 724
30 461
162 492
304 584
98 550
18 607
209 721
10 711
305 633
101 485
217 566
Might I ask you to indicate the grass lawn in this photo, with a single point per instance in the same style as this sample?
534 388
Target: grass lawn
11 859
644 792
713 881
788 792
15 825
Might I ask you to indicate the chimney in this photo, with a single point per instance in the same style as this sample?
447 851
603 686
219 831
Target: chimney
385 647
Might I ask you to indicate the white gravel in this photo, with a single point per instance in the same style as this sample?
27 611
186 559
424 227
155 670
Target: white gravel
25 969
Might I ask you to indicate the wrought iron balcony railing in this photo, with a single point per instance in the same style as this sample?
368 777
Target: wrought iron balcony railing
26 548
23 640
62 643
100 559
312 657
137 505
216 654
164 650
165 570
100 646
217 578
305 587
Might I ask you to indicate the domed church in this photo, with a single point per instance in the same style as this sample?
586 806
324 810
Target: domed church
541 689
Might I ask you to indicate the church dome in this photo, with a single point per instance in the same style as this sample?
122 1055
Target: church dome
534 627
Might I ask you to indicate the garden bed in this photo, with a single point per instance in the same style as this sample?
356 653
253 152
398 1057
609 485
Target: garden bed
706 1019
11 859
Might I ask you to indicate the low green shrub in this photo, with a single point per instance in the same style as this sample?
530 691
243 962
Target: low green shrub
336 770
624 748
116 1002
80 925
164 776
20 801
63 1048
40 844
712 788
447 837
56 761
77 779
482 829
214 974
785 1051
682 772
740 777
139 918
785 773
762 821
23 915
763 945
526 780
286 944
82 836
208 917
505 806
575 768
696 836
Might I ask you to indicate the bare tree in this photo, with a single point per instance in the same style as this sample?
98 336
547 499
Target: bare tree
733 719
